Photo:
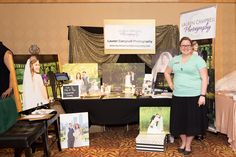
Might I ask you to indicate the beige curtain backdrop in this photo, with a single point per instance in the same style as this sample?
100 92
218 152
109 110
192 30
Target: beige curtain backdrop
86 47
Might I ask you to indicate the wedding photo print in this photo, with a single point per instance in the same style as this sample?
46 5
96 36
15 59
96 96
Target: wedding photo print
154 120
159 63
85 75
123 76
35 74
74 130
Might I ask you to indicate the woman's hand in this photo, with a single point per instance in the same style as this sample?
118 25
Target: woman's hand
6 93
168 78
172 87
201 100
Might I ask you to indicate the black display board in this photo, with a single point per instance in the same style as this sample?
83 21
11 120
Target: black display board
70 91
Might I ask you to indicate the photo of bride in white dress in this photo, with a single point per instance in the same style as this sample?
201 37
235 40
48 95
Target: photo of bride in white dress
34 90
78 135
161 64
129 78
156 124
154 120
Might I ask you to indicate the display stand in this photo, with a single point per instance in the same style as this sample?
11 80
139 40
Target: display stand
61 78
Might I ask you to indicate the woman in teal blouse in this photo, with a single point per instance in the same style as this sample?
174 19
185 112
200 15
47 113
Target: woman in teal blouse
189 85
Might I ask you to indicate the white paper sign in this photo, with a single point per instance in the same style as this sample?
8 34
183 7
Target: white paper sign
198 24
129 35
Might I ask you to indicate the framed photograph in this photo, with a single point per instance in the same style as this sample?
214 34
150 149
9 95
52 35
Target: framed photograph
84 74
154 120
74 130
49 65
159 63
75 69
123 77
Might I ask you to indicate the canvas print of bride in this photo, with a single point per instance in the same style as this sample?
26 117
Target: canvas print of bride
154 120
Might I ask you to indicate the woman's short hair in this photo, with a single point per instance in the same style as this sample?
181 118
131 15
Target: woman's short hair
185 38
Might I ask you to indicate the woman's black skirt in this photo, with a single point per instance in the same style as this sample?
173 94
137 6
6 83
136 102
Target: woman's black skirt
187 117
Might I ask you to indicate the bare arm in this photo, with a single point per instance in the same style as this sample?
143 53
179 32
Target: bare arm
168 78
204 77
8 61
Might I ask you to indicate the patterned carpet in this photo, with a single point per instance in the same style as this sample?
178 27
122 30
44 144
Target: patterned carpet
116 141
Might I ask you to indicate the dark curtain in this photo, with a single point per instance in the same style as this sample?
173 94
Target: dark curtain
87 46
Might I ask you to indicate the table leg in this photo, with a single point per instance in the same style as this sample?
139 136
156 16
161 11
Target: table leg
45 143
57 134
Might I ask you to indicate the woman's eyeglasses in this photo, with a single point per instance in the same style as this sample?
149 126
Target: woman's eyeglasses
185 46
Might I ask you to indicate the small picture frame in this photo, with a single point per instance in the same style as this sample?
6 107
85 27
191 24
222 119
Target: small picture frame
70 91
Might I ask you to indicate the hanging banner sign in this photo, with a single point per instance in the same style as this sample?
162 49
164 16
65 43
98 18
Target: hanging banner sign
129 36
198 24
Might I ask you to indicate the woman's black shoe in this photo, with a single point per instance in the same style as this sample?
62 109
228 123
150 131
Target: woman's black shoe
186 152
199 137
181 150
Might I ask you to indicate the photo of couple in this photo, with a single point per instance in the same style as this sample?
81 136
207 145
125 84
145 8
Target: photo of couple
123 77
74 130
74 135
85 75
82 79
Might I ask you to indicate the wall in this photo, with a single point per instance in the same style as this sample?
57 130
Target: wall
225 42
45 24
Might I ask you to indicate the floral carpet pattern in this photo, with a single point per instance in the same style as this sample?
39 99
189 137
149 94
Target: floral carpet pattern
116 141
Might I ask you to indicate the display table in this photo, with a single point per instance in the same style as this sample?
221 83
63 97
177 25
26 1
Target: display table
226 116
112 111
20 135
48 120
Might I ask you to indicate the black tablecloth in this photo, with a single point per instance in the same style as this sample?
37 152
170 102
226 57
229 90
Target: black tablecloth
112 111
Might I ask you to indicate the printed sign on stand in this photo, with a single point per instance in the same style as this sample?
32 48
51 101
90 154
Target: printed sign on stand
70 91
